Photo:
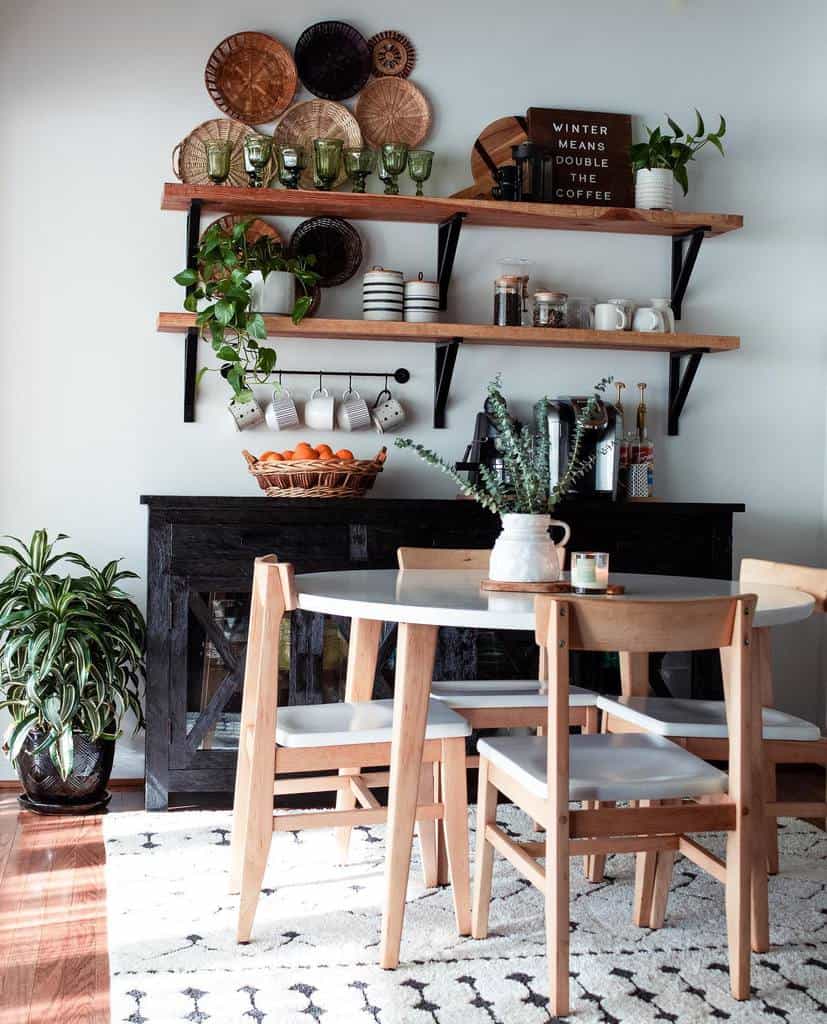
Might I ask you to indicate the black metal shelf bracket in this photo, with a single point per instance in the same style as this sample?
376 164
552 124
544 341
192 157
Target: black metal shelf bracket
679 385
445 359
447 240
191 343
683 263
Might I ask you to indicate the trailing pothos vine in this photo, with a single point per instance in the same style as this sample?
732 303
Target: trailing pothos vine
526 487
225 260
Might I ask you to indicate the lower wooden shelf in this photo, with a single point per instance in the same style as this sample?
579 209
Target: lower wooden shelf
475 334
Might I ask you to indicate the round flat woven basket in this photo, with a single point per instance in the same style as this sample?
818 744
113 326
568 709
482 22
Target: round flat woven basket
334 242
251 76
333 59
316 478
317 119
393 110
189 159
257 228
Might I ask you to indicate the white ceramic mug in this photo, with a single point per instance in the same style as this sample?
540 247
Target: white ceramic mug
628 308
388 414
281 413
353 413
647 318
609 317
664 307
318 410
245 414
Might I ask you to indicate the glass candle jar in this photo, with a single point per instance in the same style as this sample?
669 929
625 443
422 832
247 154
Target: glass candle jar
550 309
508 301
589 572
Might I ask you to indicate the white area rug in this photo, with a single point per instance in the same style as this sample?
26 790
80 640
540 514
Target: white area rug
313 955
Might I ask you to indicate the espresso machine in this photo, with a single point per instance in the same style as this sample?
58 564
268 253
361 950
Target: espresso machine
602 438
483 450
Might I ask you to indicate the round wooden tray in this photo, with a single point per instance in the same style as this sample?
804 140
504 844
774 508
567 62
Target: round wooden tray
538 587
393 110
317 119
251 76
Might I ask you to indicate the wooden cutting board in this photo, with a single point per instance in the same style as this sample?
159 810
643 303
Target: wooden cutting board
492 149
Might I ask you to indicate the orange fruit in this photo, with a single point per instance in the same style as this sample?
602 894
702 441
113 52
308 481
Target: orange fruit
287 454
300 455
345 454
324 448
272 457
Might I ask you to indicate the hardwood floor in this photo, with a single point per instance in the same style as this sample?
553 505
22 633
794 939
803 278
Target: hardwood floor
54 965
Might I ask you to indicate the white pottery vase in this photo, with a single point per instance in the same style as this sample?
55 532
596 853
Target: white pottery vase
275 294
654 189
524 552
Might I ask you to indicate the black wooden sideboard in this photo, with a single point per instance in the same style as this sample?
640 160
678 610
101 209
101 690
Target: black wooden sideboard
201 552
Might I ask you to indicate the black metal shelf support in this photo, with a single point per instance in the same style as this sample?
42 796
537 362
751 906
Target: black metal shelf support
683 263
447 241
445 354
679 385
191 343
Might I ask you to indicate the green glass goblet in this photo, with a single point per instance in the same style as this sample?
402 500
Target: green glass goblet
218 160
420 162
292 161
257 152
359 163
328 162
394 158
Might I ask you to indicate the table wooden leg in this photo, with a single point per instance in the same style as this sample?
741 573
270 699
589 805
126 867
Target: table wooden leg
362 654
416 646
761 686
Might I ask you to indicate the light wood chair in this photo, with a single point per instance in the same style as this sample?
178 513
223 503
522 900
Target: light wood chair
346 737
491 703
543 775
701 726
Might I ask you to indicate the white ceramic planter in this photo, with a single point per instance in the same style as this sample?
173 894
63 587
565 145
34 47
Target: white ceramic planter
524 552
275 294
654 189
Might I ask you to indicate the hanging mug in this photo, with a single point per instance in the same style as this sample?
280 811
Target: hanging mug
281 413
353 413
388 413
245 414
318 410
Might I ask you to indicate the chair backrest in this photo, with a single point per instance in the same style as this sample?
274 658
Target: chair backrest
783 574
610 624
443 558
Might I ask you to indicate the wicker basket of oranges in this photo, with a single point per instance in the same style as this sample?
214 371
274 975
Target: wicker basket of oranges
308 472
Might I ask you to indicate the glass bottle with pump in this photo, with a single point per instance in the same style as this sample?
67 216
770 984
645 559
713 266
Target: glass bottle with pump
623 457
643 453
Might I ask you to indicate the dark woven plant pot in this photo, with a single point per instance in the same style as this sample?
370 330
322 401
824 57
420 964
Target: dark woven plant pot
87 783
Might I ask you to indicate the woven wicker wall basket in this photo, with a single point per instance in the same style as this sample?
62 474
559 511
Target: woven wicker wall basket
317 119
316 478
189 159
393 110
251 77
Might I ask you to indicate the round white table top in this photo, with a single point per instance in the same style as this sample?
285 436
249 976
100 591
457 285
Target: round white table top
453 597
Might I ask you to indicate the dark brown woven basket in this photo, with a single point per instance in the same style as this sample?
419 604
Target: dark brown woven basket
316 478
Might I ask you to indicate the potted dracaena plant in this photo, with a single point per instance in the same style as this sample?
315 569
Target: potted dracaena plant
232 274
71 667
662 159
523 496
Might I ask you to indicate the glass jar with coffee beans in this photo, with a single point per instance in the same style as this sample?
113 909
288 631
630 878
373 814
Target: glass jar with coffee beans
550 309
508 301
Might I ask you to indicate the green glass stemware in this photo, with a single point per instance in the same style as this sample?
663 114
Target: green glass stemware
394 158
328 162
257 152
420 162
218 160
292 161
359 163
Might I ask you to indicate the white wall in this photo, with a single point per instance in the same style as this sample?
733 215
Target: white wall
97 93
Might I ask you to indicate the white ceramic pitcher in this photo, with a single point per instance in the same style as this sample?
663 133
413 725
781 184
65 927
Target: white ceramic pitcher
524 552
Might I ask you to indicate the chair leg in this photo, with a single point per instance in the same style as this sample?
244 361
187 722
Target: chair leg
738 911
443 876
660 887
595 864
591 725
428 831
484 859
645 870
455 822
770 796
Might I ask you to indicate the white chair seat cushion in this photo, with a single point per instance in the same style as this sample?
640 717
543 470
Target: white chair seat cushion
347 723
625 766
668 716
503 693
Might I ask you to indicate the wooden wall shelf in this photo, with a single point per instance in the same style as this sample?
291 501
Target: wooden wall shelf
432 210
474 334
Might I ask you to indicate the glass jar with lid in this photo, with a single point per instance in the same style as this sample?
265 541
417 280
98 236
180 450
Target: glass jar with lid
508 301
550 309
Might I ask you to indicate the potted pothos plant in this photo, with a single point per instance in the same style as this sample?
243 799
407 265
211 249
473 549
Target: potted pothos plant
71 667
662 159
229 265
523 496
